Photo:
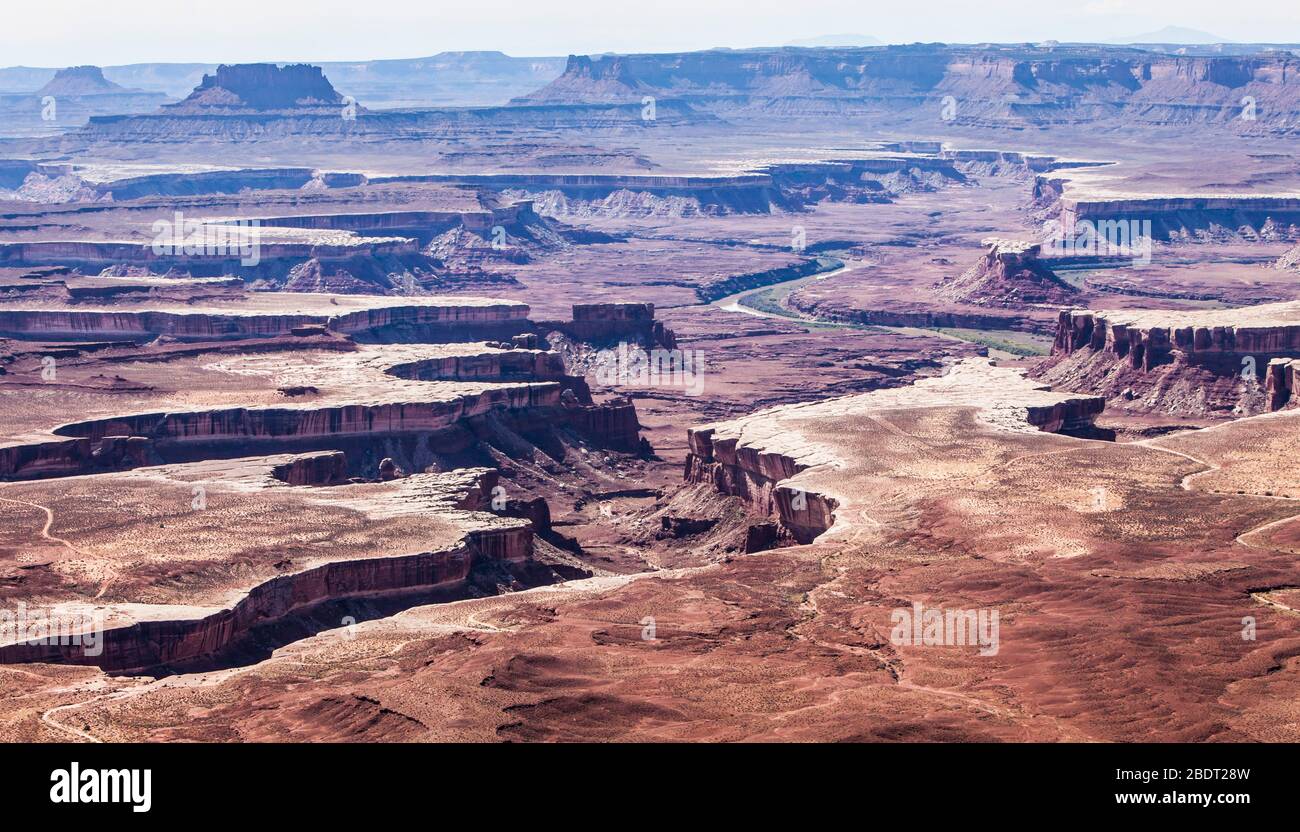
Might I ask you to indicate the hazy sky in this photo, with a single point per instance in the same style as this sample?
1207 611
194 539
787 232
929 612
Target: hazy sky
65 32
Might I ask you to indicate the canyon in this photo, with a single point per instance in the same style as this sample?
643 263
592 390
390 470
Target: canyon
628 397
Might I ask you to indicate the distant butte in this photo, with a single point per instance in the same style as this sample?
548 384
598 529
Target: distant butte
1009 273
81 80
261 87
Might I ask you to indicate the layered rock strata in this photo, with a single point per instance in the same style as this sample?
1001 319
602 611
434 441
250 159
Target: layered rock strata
1230 356
329 468
266 315
358 396
261 87
360 264
1172 217
613 423
784 185
783 461
604 323
1280 382
138 637
248 125
996 85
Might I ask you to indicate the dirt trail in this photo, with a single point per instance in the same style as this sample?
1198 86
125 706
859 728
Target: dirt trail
48 719
1210 468
49 522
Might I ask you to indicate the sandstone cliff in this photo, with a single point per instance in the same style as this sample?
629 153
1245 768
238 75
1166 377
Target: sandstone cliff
602 324
1251 216
1218 362
377 401
445 319
159 641
999 85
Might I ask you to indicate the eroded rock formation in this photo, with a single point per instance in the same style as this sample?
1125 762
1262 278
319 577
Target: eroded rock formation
462 318
329 468
1009 274
604 323
242 87
80 80
1252 216
767 458
154 641
1194 362
1007 85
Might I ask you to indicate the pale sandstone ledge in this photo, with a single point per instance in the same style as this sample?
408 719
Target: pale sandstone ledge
1091 206
1265 315
1172 217
779 458
227 243
371 388
366 392
180 589
296 303
363 394
253 314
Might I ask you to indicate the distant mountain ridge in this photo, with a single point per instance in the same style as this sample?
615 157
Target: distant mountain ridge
480 78
1172 35
68 98
1005 84
835 41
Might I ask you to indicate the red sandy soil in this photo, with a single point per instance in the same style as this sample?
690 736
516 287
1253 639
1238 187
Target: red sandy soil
1118 622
